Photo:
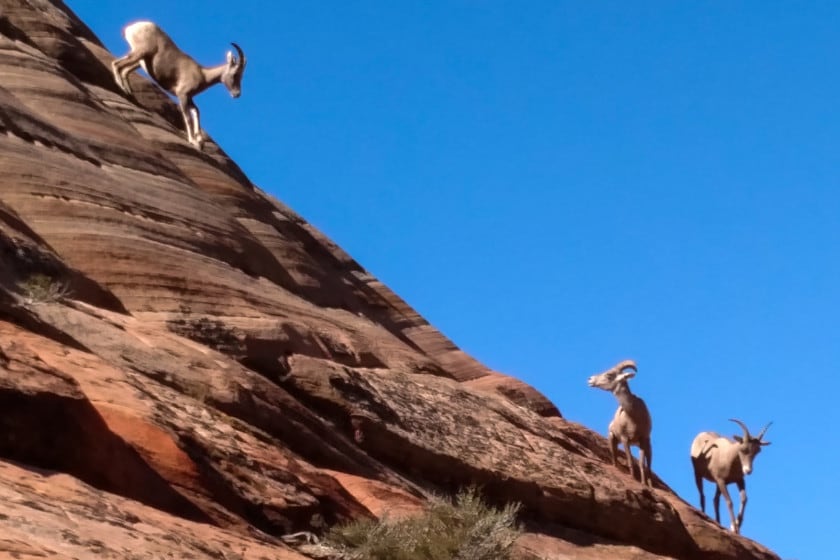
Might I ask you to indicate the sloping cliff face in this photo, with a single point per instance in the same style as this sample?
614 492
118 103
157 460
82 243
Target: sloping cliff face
221 374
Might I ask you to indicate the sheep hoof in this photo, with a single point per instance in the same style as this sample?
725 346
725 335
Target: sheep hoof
197 141
124 85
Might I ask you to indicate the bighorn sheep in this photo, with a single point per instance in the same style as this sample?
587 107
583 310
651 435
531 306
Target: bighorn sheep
175 71
631 424
723 462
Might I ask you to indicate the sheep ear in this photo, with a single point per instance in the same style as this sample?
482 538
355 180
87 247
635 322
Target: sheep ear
764 443
739 439
230 57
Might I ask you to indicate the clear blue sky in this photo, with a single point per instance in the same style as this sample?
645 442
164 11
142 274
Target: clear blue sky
560 185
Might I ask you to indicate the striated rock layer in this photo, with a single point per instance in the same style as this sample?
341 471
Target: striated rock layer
189 369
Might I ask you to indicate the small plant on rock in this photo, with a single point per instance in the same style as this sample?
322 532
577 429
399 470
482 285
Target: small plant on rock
41 288
461 529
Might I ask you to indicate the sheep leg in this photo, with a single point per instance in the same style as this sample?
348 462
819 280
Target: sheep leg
722 487
645 460
122 67
642 460
184 106
197 134
698 480
124 77
613 441
742 490
116 67
190 113
626 443
716 501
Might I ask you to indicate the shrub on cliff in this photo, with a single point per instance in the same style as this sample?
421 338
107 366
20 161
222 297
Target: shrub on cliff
461 529
41 288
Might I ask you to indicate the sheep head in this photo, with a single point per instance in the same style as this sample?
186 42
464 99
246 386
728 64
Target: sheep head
749 446
232 76
613 377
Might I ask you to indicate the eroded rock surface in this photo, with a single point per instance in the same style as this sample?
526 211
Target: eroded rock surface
211 373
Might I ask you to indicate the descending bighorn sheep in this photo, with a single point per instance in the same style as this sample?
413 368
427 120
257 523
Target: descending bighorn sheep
175 71
723 462
631 424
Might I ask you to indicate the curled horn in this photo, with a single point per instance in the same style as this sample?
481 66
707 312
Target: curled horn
763 430
627 364
241 59
743 427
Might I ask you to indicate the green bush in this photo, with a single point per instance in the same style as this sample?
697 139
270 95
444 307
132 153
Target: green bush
461 529
40 288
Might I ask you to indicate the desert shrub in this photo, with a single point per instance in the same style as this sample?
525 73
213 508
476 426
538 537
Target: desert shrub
465 528
41 288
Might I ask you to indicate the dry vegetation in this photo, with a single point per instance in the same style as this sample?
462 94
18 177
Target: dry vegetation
461 529
41 288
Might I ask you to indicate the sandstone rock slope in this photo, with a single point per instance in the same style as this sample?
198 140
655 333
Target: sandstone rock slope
189 369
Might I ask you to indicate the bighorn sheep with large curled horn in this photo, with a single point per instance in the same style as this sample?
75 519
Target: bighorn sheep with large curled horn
631 424
175 71
723 461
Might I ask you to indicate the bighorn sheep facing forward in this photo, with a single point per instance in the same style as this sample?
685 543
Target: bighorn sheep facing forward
723 462
175 71
631 424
